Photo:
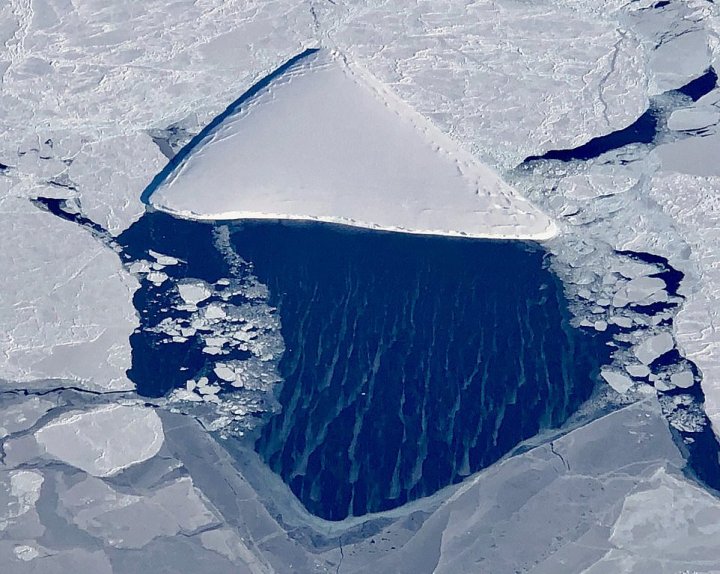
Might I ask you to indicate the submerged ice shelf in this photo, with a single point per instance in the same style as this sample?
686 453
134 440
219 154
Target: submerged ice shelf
320 139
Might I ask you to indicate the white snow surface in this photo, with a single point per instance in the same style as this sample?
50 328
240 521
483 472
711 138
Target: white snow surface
65 302
105 440
327 142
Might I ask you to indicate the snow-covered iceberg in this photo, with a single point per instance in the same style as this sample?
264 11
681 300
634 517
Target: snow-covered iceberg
323 140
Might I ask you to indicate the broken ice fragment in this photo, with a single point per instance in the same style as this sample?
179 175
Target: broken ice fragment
157 278
224 373
105 440
639 371
624 322
163 259
683 379
195 292
639 290
654 347
693 119
619 382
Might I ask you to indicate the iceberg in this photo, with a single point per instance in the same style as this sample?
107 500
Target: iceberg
322 140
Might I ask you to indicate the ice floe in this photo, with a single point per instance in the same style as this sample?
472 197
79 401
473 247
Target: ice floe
693 119
641 291
65 302
193 292
105 440
115 517
23 488
621 383
654 347
693 204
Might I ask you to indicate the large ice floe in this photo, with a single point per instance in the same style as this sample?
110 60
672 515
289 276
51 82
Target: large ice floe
322 140
90 441
65 304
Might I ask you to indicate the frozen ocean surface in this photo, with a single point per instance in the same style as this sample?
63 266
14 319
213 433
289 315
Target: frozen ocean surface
98 95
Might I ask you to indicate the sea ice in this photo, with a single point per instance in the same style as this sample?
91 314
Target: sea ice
132 521
639 371
194 292
163 259
224 373
65 302
693 119
641 290
23 487
22 414
693 204
664 525
691 156
621 383
105 440
654 347
683 379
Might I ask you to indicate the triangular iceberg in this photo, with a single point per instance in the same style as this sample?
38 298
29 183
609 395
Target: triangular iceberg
322 140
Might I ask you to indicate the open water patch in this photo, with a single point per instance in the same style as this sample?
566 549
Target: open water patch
641 131
369 368
410 362
700 86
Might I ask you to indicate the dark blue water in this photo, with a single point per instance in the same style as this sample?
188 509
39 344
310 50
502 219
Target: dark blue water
410 361
701 86
643 131
193 243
